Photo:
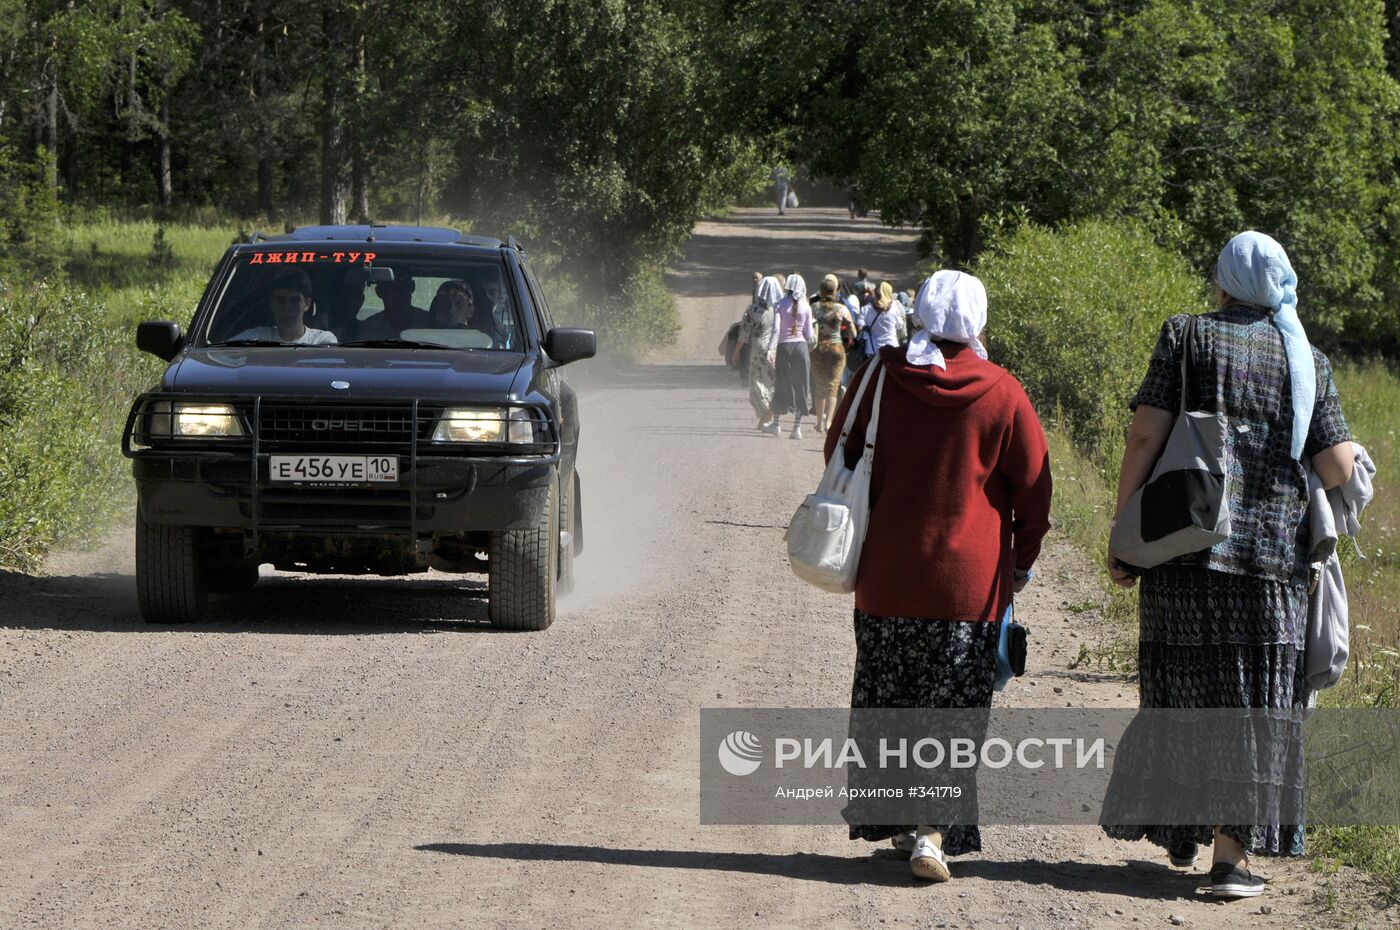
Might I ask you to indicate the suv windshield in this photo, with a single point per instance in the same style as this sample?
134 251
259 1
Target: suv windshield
303 297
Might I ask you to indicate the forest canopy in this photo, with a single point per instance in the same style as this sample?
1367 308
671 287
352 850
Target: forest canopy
599 131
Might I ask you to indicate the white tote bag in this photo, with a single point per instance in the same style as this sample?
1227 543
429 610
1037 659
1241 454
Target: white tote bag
825 536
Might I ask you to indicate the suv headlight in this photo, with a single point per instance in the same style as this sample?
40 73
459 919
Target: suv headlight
485 424
197 421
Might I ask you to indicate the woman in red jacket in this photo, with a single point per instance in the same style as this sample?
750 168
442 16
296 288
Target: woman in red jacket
960 501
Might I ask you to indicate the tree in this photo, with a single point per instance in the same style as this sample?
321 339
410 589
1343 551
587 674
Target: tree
595 128
1203 117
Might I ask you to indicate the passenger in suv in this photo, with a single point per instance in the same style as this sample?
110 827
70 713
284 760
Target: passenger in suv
398 314
436 447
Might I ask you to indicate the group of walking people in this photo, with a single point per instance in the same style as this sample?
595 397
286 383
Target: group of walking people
800 353
960 504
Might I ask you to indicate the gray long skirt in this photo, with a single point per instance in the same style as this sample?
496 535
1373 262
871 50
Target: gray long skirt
792 379
1211 639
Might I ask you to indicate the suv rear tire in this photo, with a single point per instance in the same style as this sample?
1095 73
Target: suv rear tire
522 569
171 586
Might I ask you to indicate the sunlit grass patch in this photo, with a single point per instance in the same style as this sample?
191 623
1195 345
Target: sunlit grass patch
1370 394
1081 509
124 263
1375 849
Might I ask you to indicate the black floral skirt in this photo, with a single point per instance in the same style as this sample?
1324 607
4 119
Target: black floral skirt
918 662
1211 639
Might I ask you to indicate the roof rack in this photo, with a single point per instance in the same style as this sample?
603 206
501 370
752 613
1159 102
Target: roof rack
512 244
257 235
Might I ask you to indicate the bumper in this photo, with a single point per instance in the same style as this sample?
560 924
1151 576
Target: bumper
437 494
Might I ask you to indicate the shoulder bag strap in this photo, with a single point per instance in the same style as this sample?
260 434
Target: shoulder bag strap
1186 341
855 401
874 426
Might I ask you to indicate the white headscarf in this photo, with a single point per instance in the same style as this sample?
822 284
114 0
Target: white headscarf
1254 268
769 292
797 287
952 305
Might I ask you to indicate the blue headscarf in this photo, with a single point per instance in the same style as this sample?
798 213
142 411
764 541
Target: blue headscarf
1255 269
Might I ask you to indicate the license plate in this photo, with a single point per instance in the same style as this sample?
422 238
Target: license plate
334 469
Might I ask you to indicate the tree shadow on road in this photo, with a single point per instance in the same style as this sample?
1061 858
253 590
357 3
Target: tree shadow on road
725 273
1138 880
720 255
331 606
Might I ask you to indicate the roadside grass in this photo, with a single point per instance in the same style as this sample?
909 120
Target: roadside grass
1081 509
1370 393
71 369
141 269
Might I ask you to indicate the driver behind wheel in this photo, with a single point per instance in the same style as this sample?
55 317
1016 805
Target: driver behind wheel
290 300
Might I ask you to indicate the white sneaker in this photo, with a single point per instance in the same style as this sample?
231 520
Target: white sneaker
796 433
904 842
928 862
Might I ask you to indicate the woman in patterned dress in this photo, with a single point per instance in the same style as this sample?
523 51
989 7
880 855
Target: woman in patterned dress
959 504
1224 627
755 330
829 355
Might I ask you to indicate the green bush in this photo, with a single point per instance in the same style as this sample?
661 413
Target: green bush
66 380
1074 314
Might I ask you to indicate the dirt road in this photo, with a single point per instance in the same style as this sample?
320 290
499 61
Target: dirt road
366 753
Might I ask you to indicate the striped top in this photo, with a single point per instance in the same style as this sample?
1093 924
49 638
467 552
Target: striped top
1238 367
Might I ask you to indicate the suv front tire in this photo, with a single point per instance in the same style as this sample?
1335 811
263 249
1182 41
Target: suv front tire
171 585
523 566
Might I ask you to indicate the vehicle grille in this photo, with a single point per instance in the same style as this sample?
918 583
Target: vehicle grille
382 427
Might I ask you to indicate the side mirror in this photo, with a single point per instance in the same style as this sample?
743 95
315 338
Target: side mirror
565 345
161 338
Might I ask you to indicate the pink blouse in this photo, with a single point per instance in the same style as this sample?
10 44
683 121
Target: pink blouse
791 324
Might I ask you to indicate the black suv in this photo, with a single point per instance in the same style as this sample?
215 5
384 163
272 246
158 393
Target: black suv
359 399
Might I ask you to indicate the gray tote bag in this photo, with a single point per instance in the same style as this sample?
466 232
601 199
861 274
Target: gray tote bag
1182 508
